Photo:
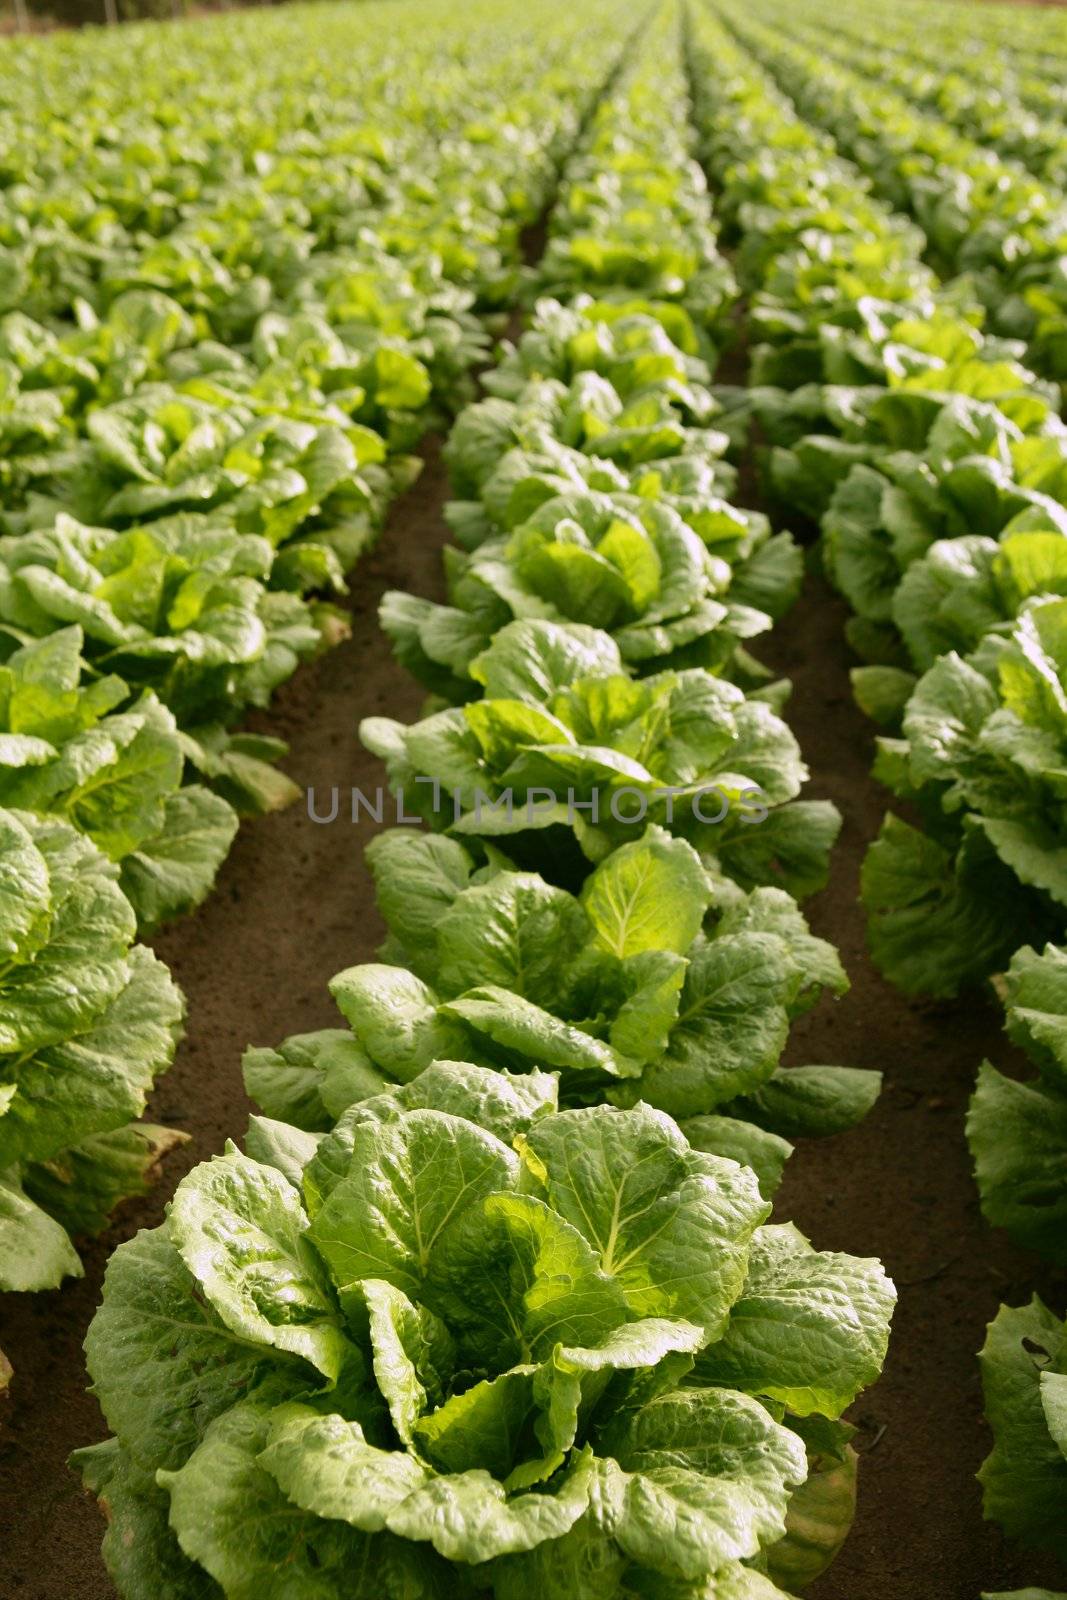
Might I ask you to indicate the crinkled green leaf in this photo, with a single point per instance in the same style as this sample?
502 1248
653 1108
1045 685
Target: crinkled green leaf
242 1232
651 1207
650 894
810 1328
1024 1477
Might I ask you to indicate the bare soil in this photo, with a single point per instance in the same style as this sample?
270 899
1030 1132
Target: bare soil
294 905
900 1187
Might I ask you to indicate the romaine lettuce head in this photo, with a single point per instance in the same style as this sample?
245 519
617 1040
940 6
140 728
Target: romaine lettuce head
115 775
1024 1380
596 757
619 991
622 563
628 344
597 397
88 1020
472 1368
984 759
182 607
1017 1129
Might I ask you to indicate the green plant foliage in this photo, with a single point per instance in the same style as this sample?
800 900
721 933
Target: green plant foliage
501 1349
88 1021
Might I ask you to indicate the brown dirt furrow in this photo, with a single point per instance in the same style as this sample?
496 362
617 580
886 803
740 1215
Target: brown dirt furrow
900 1187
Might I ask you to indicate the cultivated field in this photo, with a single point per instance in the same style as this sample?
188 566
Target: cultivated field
533 804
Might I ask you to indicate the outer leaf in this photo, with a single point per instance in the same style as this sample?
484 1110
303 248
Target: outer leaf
25 890
97 1080
81 1187
280 1145
80 969
394 1017
705 1479
142 1555
1024 1478
732 1025
241 1231
515 931
1018 1138
810 1328
1036 999
766 1153
505 1023
310 1076
231 1517
175 870
162 1361
530 660
417 876
811 1102
35 1252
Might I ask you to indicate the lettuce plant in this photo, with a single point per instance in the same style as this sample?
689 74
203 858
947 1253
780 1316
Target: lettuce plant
163 451
114 774
565 748
181 607
885 514
88 1020
964 588
593 393
611 396
1017 1130
631 991
491 1346
622 562
1024 1379
981 752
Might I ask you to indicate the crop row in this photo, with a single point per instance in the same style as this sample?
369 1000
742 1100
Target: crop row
981 214
241 333
991 99
934 460
1014 47
490 1304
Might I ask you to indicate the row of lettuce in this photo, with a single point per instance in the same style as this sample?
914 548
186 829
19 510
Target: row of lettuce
196 447
1001 103
982 212
933 459
490 1304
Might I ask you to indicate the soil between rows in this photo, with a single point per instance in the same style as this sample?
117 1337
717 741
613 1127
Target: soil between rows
900 1187
294 905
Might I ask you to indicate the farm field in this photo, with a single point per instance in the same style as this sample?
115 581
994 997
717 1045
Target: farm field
533 667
